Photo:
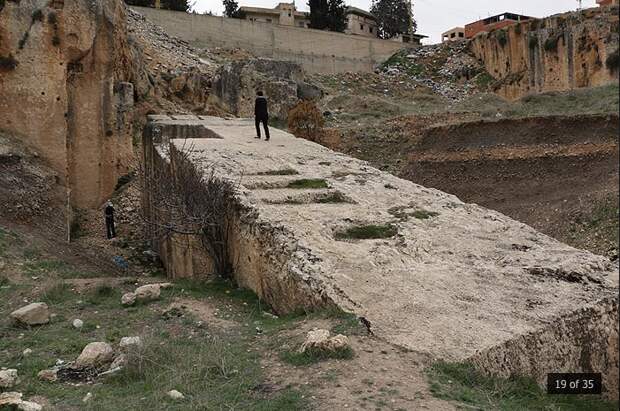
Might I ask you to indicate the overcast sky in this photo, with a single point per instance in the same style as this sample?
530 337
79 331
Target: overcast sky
436 16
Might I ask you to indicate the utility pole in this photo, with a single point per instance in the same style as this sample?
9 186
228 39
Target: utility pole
580 4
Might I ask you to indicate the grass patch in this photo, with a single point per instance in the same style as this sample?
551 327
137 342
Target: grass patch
424 214
502 37
333 198
367 232
313 356
37 15
57 294
308 183
283 172
484 80
462 383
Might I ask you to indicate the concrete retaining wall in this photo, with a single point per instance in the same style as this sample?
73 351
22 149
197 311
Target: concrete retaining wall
317 51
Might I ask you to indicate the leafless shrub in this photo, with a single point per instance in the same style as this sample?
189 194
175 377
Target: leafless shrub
190 200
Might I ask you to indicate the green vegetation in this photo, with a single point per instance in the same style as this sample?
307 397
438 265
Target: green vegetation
308 183
551 44
462 383
8 63
37 15
282 172
333 198
403 215
502 37
613 61
484 80
423 214
367 232
533 42
313 356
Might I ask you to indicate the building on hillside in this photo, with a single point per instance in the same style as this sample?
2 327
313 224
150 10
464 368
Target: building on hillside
455 34
284 14
361 22
494 23
607 2
415 39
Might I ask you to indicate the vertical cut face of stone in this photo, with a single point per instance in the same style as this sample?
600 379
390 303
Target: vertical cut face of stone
429 272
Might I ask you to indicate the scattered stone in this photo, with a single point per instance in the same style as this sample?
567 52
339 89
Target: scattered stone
176 395
147 292
50 375
87 397
128 299
94 355
26 352
165 285
119 362
321 340
8 378
32 314
77 323
130 341
13 401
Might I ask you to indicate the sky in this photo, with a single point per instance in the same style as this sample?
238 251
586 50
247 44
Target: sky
435 16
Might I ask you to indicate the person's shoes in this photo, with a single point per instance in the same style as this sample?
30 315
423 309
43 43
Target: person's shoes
257 137
266 139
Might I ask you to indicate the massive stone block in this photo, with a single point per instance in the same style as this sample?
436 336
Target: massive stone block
453 280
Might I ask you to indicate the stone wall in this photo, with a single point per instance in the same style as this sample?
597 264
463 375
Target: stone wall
68 93
317 51
559 53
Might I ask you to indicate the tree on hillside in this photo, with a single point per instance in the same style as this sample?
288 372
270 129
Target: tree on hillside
318 14
336 15
394 17
231 9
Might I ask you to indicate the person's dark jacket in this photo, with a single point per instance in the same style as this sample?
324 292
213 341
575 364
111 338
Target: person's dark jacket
260 108
109 212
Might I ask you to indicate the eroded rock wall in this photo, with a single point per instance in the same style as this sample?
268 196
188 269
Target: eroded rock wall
67 83
562 52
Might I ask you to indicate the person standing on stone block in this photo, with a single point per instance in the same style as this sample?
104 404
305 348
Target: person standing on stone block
109 220
261 115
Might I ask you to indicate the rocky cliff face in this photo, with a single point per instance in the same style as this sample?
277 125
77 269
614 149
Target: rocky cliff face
68 77
558 53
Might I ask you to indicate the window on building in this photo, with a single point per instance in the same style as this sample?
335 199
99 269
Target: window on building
452 35
370 29
301 24
269 20
289 14
361 27
461 34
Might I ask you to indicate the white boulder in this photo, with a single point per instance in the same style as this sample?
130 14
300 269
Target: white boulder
148 292
128 299
32 314
95 355
8 378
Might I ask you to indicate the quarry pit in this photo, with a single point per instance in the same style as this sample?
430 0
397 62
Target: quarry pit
452 280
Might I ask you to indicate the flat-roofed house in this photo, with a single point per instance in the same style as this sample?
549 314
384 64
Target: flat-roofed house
455 34
607 2
360 22
493 23
284 14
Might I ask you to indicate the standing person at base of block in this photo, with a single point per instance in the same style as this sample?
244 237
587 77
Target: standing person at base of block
261 114
109 220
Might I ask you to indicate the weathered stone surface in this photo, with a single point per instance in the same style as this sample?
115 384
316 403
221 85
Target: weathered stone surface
128 299
50 375
456 281
77 323
70 93
235 86
561 52
129 342
147 292
321 340
32 314
8 378
13 400
119 362
95 355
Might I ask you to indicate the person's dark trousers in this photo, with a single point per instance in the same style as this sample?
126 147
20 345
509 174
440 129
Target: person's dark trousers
109 227
257 122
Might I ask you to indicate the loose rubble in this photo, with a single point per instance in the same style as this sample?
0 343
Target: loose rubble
175 395
95 355
13 401
8 378
320 340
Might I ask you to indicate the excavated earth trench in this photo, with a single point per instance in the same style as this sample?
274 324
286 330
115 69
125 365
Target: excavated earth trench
430 273
549 172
